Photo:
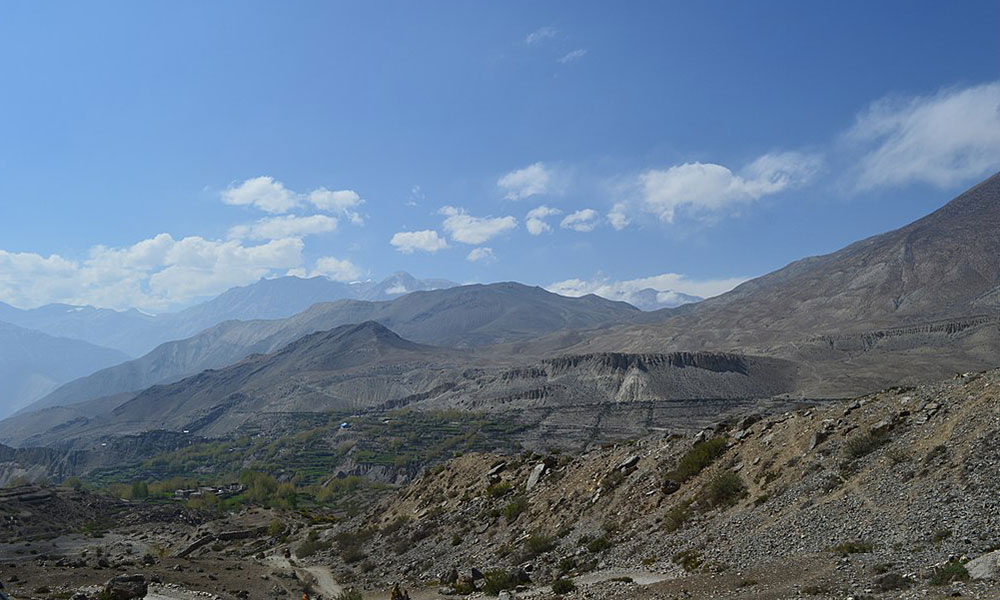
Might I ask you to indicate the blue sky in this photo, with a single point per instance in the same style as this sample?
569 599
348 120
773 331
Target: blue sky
154 154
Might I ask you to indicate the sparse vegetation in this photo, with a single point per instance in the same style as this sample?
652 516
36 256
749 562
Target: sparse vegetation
952 571
689 560
852 547
677 516
863 444
514 508
725 489
599 544
940 535
700 456
495 582
563 586
539 543
310 547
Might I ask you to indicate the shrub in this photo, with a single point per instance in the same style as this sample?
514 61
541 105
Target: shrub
563 586
940 535
495 582
863 444
891 582
725 489
853 547
350 594
539 543
697 458
395 525
514 508
689 560
677 516
456 539
499 490
599 544
952 571
310 547
275 528
567 564
352 555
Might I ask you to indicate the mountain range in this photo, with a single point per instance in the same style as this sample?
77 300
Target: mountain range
136 333
32 363
465 316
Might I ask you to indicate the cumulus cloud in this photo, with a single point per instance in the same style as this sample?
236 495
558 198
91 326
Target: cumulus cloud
944 139
262 192
540 35
287 226
464 228
271 196
156 274
668 289
336 269
409 242
338 202
535 219
573 56
706 189
584 220
618 216
523 183
478 254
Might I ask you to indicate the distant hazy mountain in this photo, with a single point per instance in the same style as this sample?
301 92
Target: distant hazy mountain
136 333
650 299
32 364
466 316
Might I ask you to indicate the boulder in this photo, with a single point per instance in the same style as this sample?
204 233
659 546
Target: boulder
126 587
629 463
536 474
986 566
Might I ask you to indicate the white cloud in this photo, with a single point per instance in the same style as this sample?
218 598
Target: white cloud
523 183
539 35
706 189
944 139
408 242
535 219
573 56
338 202
582 220
336 269
273 197
647 292
287 226
467 229
263 192
483 253
156 274
618 217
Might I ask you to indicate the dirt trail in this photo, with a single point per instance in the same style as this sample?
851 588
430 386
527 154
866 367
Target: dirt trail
320 577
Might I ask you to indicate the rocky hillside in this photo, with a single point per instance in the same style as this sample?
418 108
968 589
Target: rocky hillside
873 494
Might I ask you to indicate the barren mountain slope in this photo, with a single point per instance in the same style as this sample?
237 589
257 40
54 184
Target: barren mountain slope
942 266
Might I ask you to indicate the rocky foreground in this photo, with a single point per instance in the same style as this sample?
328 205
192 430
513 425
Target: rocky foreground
892 495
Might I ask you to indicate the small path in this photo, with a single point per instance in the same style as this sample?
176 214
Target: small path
637 576
319 576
